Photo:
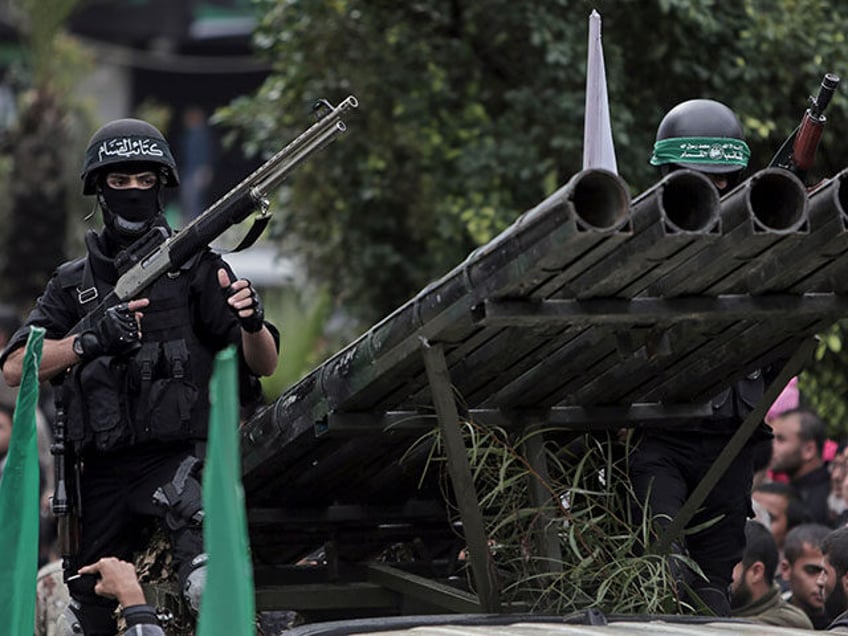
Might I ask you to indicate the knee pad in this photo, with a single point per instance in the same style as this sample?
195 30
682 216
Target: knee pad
68 623
195 582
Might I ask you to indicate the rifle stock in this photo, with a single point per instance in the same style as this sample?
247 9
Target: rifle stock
154 255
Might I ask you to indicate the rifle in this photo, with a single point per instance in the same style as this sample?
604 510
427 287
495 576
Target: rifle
798 152
156 253
65 501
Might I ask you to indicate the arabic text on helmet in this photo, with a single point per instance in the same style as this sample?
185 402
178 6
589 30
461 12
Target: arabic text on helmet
130 148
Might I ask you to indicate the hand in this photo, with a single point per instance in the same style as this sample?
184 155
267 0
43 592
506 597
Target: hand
117 332
243 301
117 579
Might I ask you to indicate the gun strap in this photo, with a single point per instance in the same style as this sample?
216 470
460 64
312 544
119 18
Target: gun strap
255 231
87 290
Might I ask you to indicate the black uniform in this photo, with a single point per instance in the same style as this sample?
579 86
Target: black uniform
706 136
665 468
136 421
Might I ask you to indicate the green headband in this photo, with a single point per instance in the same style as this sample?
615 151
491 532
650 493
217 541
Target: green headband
716 151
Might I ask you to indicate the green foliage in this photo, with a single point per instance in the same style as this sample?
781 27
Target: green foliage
51 53
301 318
587 509
41 182
824 385
473 112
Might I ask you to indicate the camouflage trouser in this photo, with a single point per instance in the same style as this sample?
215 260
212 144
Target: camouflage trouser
158 578
51 598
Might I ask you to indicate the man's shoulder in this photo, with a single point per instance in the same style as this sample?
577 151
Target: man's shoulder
773 609
815 479
70 273
839 624
787 615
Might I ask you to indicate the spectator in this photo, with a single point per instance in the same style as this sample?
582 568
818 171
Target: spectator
836 500
754 594
787 400
797 447
761 460
800 568
783 507
833 578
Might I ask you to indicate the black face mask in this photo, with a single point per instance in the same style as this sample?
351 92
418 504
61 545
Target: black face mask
130 212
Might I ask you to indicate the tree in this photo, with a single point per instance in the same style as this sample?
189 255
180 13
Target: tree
37 224
471 113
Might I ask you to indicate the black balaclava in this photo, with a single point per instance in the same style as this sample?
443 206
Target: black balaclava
128 214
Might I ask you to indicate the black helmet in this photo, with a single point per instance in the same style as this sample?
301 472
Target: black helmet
703 135
124 141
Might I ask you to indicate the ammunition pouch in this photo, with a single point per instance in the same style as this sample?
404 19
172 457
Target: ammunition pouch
161 378
118 402
734 404
97 405
153 394
736 401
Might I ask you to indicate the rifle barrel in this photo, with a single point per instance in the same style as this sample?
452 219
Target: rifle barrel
232 208
828 86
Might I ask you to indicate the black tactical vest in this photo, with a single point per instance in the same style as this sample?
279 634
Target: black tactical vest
158 393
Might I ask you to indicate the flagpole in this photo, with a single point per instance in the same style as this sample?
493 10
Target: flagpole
598 148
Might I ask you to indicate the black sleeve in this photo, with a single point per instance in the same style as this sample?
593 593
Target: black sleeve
53 311
140 615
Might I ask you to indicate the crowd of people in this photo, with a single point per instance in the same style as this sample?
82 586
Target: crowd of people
793 572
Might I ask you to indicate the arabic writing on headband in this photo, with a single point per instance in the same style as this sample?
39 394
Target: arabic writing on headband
715 152
127 147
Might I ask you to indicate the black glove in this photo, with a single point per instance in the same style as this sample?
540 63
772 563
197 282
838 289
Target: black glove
255 321
115 334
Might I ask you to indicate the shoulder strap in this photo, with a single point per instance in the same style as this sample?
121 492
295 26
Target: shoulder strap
87 291
77 275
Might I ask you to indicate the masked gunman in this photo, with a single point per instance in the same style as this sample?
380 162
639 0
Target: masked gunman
132 389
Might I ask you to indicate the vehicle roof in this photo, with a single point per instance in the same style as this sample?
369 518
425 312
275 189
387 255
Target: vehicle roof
535 625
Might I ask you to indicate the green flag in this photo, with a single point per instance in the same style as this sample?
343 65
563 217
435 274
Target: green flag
19 503
227 607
